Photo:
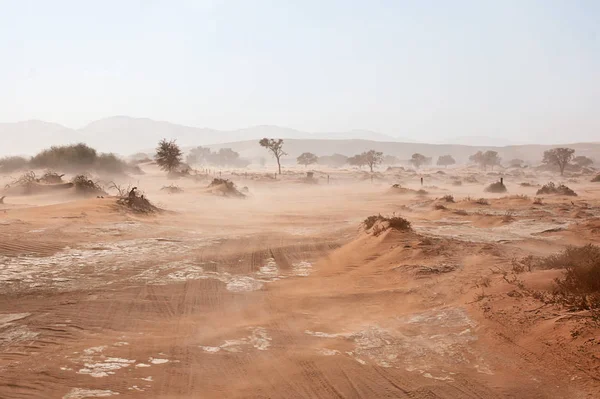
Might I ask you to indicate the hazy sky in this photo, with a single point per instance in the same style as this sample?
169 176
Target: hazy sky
518 69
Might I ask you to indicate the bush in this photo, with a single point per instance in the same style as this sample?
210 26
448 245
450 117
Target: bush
11 164
86 186
80 158
393 222
596 179
560 189
580 286
448 198
482 201
136 202
497 187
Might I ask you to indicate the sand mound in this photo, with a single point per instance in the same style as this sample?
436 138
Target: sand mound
560 189
137 203
377 224
225 188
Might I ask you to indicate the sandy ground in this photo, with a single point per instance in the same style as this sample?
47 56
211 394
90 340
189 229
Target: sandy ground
283 295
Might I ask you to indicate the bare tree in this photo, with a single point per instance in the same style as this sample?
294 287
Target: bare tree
168 155
307 158
276 147
445 160
559 156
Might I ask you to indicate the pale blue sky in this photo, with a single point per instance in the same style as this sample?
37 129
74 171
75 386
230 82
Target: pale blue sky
521 69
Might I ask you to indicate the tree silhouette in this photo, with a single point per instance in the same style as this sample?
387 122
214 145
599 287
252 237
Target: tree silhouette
445 160
168 155
559 157
307 158
276 148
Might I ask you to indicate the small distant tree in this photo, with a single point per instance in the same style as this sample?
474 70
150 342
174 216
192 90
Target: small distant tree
358 160
516 163
336 160
418 159
485 159
390 160
445 160
372 158
583 161
276 148
198 156
168 155
307 158
559 157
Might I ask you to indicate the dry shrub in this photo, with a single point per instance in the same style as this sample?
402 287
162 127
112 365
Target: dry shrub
461 212
482 201
422 192
172 189
596 179
560 189
448 198
439 207
86 186
137 203
50 177
497 187
526 184
518 197
471 179
537 201
457 183
381 223
226 187
580 286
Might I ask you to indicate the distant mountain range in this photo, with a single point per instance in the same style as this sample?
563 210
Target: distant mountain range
124 135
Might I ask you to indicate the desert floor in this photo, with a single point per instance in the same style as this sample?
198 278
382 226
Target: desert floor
284 295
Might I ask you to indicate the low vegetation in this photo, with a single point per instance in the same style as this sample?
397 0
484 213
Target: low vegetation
84 185
482 201
552 188
137 202
448 198
596 179
497 188
379 223
172 189
225 188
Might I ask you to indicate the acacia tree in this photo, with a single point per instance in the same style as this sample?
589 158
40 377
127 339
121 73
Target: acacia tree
485 159
559 156
418 159
372 158
583 161
445 160
307 158
276 148
168 155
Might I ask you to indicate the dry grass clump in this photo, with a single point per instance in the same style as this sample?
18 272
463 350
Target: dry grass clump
86 186
560 189
439 207
497 187
379 223
457 183
482 201
537 201
596 179
471 179
136 202
226 188
422 192
448 198
461 212
508 216
526 184
172 189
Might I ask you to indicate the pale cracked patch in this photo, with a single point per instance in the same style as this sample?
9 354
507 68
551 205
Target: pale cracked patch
258 339
416 342
158 361
105 368
82 393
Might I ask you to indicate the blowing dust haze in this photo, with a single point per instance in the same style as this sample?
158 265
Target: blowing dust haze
205 199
